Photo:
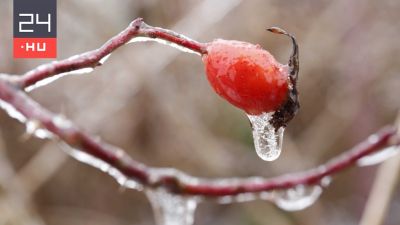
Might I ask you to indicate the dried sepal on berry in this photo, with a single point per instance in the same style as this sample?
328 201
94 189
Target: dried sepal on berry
289 109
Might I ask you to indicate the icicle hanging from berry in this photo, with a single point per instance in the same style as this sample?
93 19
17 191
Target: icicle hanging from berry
250 78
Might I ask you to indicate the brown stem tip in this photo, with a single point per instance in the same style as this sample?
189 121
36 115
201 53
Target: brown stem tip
288 110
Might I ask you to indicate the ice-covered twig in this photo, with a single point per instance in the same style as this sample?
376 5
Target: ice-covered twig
122 167
175 181
91 59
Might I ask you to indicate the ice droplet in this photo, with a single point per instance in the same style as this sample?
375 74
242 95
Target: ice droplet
100 164
267 140
62 122
33 127
12 112
56 77
104 59
164 42
292 199
245 197
170 209
378 157
297 198
326 181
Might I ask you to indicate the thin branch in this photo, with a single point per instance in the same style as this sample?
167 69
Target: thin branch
177 183
91 59
382 139
11 92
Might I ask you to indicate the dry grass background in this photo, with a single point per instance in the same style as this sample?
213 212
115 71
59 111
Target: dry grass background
155 102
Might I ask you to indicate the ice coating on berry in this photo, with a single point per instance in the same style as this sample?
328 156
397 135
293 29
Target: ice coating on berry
267 139
246 75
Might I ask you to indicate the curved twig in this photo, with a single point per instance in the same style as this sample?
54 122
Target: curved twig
91 59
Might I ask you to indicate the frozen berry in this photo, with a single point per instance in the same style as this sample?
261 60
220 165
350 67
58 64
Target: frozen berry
246 75
250 78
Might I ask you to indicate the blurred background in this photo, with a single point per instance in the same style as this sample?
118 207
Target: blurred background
156 103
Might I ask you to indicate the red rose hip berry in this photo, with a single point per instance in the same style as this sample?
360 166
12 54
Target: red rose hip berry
246 75
250 78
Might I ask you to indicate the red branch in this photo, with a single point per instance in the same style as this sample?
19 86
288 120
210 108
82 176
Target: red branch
11 91
92 58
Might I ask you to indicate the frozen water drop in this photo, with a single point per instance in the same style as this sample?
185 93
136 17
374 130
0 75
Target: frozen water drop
372 139
164 42
62 122
155 174
33 127
104 59
326 181
244 197
297 198
267 140
226 199
267 195
170 209
378 157
12 112
58 76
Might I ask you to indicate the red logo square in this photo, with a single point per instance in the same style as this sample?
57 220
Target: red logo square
35 47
